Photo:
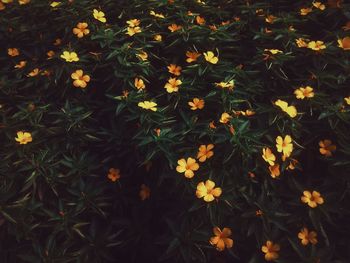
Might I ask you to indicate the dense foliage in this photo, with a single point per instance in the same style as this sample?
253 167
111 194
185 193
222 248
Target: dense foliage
174 131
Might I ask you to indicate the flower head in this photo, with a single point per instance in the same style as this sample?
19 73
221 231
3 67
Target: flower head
307 237
316 45
210 57
301 42
172 85
148 105
225 117
312 199
270 250
142 55
205 152
133 30
327 148
33 73
305 11
145 192
133 22
99 15
275 170
304 92
268 156
344 43
200 20
80 80
13 52
174 69
226 85
113 174
81 29
21 64
191 56
208 191
187 167
290 110
70 56
24 137
196 104
221 238
139 84
319 5
174 27
284 145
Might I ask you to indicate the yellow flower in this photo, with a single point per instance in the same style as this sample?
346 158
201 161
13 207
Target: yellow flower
228 85
270 250
312 199
99 15
273 51
200 20
7 1
145 192
172 85
133 30
268 156
301 42
316 45
152 13
187 167
305 11
81 29
326 147
174 27
23 137
158 38
55 4
33 73
284 145
221 238
70 56
210 57
225 117
304 92
270 19
347 100
13 52
191 56
307 237
80 80
133 22
139 84
344 43
174 69
319 5
196 104
205 152
21 64
148 105
207 191
142 55
290 110
23 2
113 174
246 113
275 170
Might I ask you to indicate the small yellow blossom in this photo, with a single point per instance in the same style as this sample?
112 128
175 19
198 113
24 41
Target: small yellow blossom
319 5
133 22
174 27
21 64
139 84
316 45
268 156
290 110
148 105
274 51
55 4
208 191
24 137
113 174
158 15
285 145
133 30
99 15
172 85
174 69
270 250
225 117
226 85
312 199
210 57
81 29
33 73
142 55
80 80
307 237
158 38
187 167
23 2
327 148
221 238
196 104
347 100
70 56
205 152
13 52
305 11
304 92
191 56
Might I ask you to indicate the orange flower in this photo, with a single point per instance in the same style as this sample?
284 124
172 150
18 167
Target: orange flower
80 80
304 92
187 167
307 237
133 22
268 156
158 38
174 69
208 191
225 118
284 145
305 11
191 56
24 137
81 30
200 20
21 64
270 250
275 170
312 199
196 104
33 73
319 5
139 84
270 19
13 52
205 152
326 147
174 27
344 43
221 238
145 192
172 85
301 42
50 54
113 174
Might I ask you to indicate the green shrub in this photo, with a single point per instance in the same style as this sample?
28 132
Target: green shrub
174 131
